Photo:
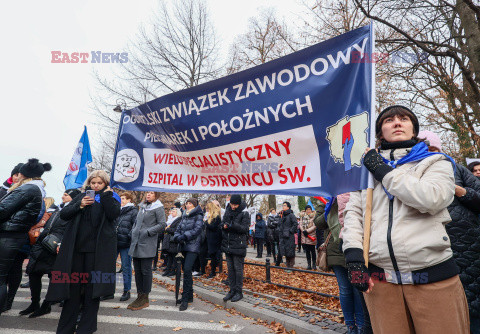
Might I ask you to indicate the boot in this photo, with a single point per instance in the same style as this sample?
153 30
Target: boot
212 274
44 309
190 300
183 306
352 330
229 295
25 285
135 303
314 268
171 273
125 296
166 272
237 297
31 308
142 303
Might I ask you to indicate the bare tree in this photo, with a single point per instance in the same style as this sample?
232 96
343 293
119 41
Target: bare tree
266 39
446 87
177 50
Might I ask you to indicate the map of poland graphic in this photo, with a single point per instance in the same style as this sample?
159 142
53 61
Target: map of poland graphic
348 140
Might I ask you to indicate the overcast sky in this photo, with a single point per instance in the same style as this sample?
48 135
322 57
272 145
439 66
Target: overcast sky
46 105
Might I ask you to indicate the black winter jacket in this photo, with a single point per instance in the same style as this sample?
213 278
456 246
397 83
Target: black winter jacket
20 208
40 260
168 244
464 233
4 189
105 246
125 222
272 228
287 230
189 231
260 226
236 225
214 235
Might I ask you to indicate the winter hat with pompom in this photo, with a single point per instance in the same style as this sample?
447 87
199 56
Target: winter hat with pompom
431 139
33 168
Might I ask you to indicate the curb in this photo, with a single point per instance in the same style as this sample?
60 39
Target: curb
290 323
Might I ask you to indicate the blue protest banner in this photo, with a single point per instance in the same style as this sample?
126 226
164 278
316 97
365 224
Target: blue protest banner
297 125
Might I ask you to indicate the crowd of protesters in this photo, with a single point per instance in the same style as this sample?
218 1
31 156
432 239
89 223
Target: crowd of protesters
421 275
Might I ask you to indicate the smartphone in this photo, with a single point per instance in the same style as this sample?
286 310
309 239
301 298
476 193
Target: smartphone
90 193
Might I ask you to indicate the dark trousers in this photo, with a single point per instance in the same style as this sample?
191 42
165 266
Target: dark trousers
9 249
259 242
235 272
81 263
215 260
15 275
188 262
36 286
126 268
311 255
274 248
299 240
143 274
289 261
171 264
155 259
268 244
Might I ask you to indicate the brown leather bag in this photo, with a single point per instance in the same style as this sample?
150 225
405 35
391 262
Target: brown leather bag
322 263
35 230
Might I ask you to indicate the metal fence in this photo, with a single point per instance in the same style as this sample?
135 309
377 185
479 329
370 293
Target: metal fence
268 278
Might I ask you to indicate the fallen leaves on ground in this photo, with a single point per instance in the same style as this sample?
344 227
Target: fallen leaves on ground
314 282
176 329
297 300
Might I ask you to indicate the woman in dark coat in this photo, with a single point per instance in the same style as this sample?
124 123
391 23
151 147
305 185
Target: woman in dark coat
260 227
189 235
286 230
125 222
236 224
87 256
41 259
272 233
19 211
169 246
149 224
464 231
214 236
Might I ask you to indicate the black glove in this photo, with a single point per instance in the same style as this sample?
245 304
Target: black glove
373 161
305 233
358 275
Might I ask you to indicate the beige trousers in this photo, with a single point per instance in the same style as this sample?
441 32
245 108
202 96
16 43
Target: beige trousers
439 307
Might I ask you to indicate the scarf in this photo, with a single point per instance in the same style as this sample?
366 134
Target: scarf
418 152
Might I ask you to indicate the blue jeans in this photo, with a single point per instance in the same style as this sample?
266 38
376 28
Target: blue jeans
349 298
126 268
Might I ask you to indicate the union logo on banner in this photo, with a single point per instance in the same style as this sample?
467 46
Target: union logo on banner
72 167
348 139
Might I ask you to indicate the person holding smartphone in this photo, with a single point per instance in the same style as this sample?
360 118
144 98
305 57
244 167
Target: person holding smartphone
89 245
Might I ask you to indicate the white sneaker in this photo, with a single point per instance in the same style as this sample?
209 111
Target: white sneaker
195 273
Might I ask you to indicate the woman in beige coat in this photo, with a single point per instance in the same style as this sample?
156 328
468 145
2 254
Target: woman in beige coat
309 238
412 283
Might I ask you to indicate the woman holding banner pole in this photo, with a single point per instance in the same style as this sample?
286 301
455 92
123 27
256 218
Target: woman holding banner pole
410 268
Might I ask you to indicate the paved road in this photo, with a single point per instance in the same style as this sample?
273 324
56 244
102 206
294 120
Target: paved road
114 318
